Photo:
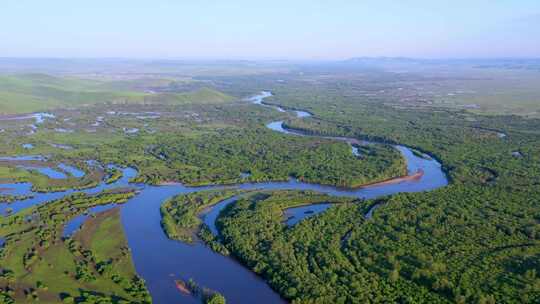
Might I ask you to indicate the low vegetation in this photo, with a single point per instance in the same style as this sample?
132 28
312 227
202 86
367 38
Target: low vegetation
475 241
37 264
38 92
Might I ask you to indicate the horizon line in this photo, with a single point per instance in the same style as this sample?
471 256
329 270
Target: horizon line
247 59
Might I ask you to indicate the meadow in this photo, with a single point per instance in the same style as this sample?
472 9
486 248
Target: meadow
474 241
39 264
24 93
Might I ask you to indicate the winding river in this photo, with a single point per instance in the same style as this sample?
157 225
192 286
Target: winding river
160 260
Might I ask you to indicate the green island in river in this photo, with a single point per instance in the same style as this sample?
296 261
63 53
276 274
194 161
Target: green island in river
331 186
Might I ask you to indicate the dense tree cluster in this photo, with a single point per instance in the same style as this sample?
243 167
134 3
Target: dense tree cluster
476 240
180 215
267 155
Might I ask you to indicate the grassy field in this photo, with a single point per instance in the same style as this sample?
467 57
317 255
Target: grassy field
39 92
489 91
37 264
493 92
95 235
474 241
191 143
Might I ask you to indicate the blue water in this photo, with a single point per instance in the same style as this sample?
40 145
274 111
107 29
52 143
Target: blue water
176 260
258 99
211 216
355 151
302 114
40 198
62 130
23 157
38 117
75 224
75 172
15 189
63 147
160 260
297 214
370 212
159 268
433 177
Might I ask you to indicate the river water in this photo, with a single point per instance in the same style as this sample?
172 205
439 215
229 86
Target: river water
160 260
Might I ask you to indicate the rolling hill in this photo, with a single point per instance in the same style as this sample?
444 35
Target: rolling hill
39 92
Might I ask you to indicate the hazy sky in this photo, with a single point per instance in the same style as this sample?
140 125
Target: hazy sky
271 29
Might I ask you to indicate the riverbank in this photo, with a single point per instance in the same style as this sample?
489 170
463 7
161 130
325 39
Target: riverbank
414 177
141 219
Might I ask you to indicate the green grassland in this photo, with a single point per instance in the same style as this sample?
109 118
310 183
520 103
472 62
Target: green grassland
41 183
112 253
37 92
194 144
475 241
38 264
493 92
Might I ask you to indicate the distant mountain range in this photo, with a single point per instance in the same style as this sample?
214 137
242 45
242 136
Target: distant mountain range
509 63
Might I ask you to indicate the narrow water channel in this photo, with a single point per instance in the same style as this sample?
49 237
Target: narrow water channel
160 260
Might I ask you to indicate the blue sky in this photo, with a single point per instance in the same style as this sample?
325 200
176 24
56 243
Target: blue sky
238 29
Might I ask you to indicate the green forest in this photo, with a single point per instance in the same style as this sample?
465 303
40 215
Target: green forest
476 240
